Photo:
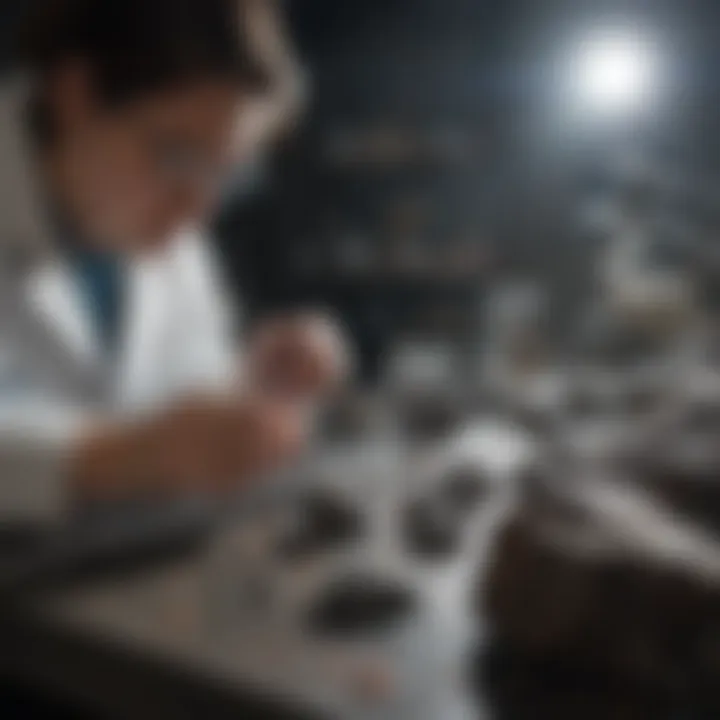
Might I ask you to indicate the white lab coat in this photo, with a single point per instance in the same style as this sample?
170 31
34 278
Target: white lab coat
177 336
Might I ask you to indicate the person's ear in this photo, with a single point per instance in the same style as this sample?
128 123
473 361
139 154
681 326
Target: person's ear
73 94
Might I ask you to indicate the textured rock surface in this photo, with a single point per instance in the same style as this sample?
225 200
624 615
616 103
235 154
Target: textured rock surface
599 573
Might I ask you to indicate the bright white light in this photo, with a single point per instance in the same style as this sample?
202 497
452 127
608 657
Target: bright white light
615 72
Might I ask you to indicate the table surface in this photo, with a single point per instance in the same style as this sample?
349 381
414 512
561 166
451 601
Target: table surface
171 638
187 615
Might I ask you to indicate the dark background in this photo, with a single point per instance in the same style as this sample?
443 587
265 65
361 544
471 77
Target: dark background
475 76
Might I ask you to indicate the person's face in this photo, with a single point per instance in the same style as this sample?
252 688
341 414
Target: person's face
138 172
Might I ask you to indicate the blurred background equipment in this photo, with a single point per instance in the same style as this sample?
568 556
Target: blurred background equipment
453 146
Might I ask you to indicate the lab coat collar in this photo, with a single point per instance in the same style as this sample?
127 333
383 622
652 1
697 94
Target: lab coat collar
29 260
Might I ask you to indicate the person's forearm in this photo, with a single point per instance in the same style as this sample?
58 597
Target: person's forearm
108 463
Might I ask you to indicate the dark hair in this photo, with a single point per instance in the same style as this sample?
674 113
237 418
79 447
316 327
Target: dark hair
135 47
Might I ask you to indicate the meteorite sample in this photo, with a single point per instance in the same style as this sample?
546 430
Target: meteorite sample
610 579
430 417
320 521
360 605
463 489
430 530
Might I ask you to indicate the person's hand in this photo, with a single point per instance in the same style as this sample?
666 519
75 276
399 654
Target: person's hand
218 444
297 358
201 444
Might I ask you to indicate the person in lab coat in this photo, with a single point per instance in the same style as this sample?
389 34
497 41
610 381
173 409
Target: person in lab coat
119 373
